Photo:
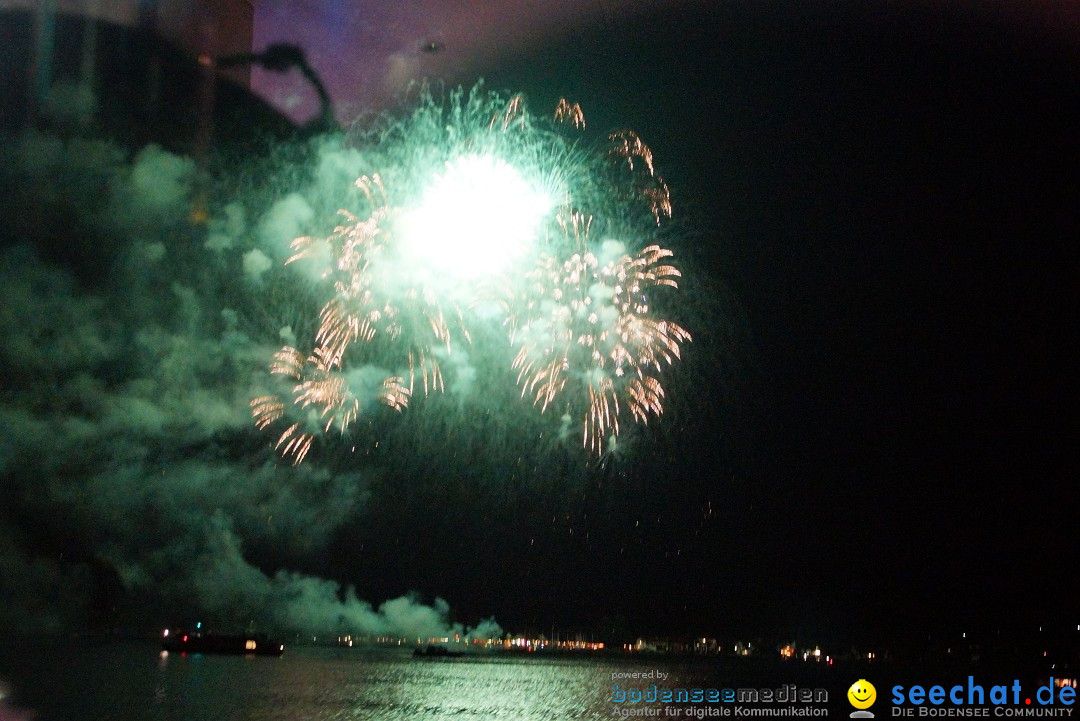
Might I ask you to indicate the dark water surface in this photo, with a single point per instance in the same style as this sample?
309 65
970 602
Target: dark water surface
137 681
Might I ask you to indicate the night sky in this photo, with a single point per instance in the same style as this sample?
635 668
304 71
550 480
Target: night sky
873 432
890 197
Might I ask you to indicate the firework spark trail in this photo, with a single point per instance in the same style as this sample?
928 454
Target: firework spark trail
319 384
569 114
626 145
513 114
296 443
288 362
659 197
408 280
266 410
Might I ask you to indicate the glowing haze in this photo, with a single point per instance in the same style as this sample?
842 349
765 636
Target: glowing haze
478 207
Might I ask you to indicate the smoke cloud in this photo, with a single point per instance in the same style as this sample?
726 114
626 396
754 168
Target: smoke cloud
143 297
134 485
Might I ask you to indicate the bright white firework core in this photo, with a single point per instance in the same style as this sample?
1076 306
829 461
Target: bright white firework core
477 217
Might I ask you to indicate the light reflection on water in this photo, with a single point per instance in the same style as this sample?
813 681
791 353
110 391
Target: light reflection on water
135 682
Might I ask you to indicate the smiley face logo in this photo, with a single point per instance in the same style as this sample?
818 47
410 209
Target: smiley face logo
862 694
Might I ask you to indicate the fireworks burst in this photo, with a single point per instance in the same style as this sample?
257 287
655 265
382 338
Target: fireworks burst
462 217
588 333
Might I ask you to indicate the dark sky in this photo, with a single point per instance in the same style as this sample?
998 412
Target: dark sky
872 432
890 194
887 197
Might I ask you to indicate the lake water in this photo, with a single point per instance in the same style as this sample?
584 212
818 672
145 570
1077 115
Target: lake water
138 682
